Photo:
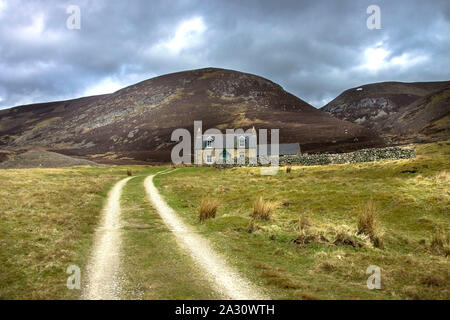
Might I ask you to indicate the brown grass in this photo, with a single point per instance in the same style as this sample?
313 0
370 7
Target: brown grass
332 197
443 176
305 296
48 217
305 237
434 280
327 266
208 209
262 210
440 243
275 278
366 221
367 224
344 238
303 222
252 226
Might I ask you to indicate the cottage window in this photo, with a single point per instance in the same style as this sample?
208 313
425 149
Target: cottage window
209 142
242 142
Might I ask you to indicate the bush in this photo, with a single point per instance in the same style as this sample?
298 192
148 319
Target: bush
262 209
208 209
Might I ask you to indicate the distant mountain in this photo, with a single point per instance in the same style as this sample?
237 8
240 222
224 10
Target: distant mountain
401 112
136 123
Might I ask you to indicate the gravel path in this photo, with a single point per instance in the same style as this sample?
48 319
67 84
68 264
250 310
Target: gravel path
103 271
226 280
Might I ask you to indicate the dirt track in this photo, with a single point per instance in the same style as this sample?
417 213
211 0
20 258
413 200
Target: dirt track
103 280
227 282
103 272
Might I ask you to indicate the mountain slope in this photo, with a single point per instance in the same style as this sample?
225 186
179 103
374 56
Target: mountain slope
400 111
136 122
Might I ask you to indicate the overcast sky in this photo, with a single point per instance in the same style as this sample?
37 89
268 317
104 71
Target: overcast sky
314 49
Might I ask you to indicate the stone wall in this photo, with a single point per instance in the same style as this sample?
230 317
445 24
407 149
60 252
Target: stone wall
364 155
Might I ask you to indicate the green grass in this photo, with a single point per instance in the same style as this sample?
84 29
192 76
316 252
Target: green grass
154 266
47 220
411 197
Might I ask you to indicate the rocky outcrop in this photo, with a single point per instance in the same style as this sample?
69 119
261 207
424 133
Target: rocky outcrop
399 112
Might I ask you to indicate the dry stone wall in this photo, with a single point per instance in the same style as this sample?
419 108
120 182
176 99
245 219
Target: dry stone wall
364 155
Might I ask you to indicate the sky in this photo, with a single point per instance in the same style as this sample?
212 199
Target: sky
314 49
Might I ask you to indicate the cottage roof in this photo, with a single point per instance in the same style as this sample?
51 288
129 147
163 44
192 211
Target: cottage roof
284 149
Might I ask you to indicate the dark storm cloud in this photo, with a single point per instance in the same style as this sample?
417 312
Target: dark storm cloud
314 49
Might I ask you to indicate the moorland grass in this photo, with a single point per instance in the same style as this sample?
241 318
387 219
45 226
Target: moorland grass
411 198
47 220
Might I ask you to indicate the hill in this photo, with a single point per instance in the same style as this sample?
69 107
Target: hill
402 112
135 123
43 159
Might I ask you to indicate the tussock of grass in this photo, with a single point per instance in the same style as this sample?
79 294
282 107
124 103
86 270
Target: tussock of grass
367 224
443 176
252 226
328 235
440 243
262 210
433 280
303 222
208 209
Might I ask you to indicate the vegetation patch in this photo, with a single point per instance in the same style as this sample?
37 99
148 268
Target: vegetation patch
154 266
47 223
262 210
208 209
323 235
368 226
